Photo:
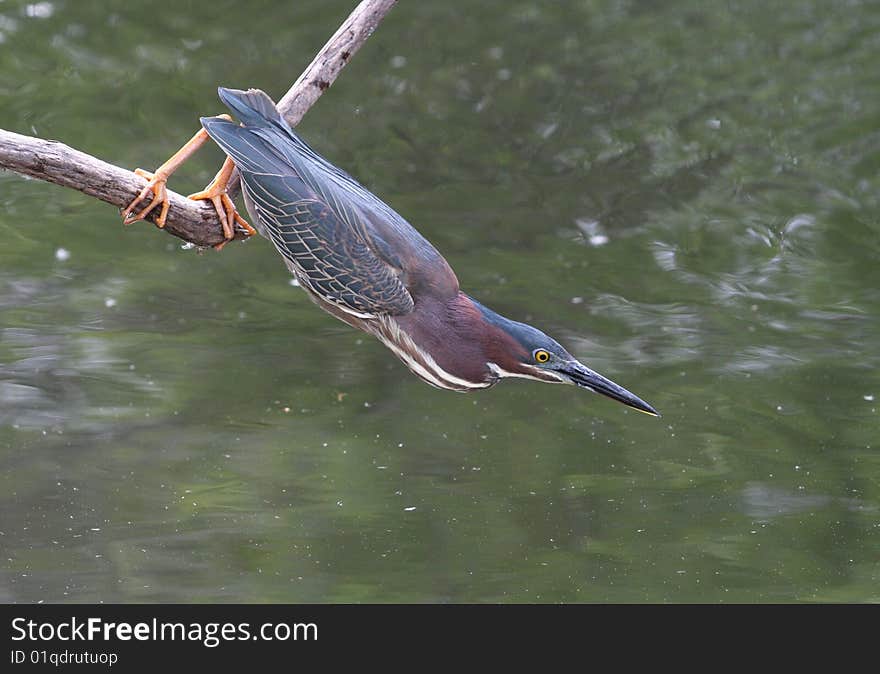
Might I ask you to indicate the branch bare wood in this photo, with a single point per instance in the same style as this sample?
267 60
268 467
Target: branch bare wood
325 67
55 162
193 221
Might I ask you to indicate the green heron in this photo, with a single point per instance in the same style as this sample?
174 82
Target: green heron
363 263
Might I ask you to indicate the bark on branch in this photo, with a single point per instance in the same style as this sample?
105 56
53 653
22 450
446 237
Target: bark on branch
193 221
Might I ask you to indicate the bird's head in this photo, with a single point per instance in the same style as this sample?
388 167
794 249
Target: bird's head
519 350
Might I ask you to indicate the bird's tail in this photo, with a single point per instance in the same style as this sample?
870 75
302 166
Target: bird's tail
253 107
263 135
251 144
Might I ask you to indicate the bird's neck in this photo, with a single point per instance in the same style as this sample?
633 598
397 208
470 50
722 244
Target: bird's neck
501 351
450 343
492 318
473 342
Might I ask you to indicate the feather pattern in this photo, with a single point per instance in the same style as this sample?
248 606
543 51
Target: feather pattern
343 243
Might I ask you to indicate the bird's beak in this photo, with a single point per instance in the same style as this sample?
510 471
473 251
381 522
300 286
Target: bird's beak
584 377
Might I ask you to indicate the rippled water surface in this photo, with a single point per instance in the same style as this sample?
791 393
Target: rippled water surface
685 194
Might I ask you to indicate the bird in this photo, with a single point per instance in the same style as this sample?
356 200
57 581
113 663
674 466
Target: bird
363 263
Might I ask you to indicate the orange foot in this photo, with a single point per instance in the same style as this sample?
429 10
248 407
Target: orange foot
155 184
214 192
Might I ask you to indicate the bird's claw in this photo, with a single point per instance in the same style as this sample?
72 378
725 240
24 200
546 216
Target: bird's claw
215 192
155 184
226 211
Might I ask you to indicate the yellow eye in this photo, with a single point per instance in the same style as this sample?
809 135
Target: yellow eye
542 356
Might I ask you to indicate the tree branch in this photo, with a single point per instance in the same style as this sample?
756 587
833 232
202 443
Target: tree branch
325 67
193 221
55 162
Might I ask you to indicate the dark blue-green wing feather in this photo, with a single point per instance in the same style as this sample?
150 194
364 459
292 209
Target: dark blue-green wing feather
318 217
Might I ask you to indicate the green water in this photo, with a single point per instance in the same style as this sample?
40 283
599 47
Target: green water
685 194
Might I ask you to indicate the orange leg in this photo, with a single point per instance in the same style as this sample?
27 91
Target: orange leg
215 191
156 182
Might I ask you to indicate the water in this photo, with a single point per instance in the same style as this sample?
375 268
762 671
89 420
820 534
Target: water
685 195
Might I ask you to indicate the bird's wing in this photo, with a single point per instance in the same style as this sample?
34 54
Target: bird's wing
326 253
314 213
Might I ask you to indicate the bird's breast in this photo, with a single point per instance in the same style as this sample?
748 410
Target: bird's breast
424 359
